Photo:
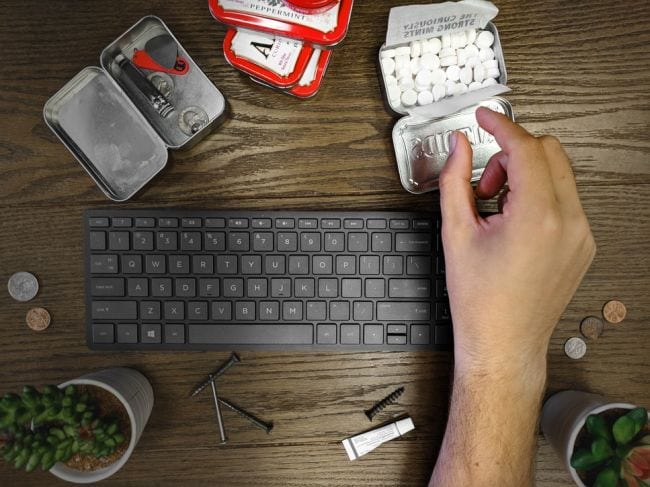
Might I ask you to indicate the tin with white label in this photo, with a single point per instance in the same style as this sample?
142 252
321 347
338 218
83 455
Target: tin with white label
120 120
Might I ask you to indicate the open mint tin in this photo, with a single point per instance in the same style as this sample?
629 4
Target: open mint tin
120 120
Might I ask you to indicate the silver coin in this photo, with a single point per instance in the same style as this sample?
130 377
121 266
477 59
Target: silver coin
192 119
23 286
575 348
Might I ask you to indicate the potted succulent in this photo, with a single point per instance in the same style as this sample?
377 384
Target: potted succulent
81 431
602 443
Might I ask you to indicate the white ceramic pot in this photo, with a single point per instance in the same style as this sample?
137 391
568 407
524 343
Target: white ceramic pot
135 393
564 415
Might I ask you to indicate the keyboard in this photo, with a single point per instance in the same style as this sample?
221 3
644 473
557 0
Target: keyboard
222 280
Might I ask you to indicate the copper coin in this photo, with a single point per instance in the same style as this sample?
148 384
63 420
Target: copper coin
591 327
38 319
614 311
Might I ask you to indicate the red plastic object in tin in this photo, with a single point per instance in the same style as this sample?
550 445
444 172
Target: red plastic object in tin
287 29
142 59
259 72
310 6
312 88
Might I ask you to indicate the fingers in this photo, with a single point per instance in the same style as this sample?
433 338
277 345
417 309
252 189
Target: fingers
563 179
456 196
493 178
508 134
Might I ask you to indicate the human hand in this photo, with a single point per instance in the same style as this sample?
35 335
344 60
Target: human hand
511 275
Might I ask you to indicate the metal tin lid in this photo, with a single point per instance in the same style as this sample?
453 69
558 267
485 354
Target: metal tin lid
249 14
422 145
109 137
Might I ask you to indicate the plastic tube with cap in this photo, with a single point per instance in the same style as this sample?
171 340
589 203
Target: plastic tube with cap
358 445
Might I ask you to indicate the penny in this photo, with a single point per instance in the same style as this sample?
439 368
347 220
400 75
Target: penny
591 327
614 311
575 348
23 286
38 319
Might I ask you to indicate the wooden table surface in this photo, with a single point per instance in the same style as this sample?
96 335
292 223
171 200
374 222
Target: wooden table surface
578 70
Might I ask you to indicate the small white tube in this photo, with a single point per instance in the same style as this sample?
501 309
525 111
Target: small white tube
360 444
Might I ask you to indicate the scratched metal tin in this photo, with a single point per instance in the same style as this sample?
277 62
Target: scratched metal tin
422 146
116 131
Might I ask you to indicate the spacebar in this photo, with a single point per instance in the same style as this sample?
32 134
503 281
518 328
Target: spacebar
252 334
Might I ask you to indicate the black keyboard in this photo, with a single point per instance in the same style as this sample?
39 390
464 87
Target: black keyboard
204 280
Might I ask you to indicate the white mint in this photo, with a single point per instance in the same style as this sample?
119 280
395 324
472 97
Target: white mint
394 94
461 56
416 49
403 51
409 98
471 36
484 39
438 76
486 53
435 45
451 87
493 73
388 65
461 88
491 64
406 83
423 77
404 73
425 98
415 64
479 73
453 73
445 40
390 80
447 51
421 88
458 40
475 85
473 62
426 47
448 61
466 75
489 82
387 53
471 51
402 61
438 92
429 61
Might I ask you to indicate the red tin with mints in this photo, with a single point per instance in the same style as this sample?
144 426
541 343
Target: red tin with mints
310 6
326 29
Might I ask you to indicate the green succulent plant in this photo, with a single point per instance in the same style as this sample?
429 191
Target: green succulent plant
42 428
618 453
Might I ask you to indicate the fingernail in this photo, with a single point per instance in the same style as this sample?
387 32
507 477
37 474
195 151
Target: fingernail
452 142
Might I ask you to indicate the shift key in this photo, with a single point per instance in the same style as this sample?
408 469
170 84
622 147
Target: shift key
401 311
114 310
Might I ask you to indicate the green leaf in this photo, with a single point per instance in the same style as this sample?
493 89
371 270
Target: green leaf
600 449
597 426
606 478
639 416
583 459
624 429
47 458
21 459
70 390
119 438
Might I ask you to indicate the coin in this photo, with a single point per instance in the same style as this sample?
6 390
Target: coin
38 319
614 311
23 286
575 348
591 327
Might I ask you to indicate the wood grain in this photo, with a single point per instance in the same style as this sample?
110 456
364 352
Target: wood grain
578 70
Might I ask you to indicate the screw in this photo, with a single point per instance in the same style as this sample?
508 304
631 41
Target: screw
389 399
246 415
222 430
234 358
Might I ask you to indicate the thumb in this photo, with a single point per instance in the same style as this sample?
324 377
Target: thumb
456 195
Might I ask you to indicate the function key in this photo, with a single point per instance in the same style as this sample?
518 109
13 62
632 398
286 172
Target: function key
399 224
98 221
285 223
352 223
191 222
238 223
122 222
331 223
145 222
261 223
215 222
168 222
307 223
376 224
422 225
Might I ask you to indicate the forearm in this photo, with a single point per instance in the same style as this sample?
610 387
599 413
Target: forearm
490 436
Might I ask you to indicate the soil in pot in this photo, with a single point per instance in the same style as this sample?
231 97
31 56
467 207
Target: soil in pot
108 406
583 440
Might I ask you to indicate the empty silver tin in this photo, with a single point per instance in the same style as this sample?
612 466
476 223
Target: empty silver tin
422 146
114 131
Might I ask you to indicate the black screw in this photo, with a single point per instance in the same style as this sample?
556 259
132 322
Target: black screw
389 399
246 415
234 358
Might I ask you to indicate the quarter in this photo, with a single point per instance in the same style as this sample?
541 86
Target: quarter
38 319
575 348
591 327
614 311
23 286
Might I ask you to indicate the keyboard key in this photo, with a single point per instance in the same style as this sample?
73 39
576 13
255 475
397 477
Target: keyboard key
98 221
420 334
245 310
310 242
191 241
261 223
127 333
394 329
292 310
233 287
418 265
307 223
191 222
97 240
114 310
145 222
257 288
161 287
351 288
107 286
322 264
376 224
399 224
138 286
150 310
150 333
167 241
339 310
353 223
221 311
174 333
330 223
269 310
357 242
274 264
131 264
215 222
103 333
122 222
245 334
393 265
226 264
142 240
174 310
239 242
375 288
203 264
298 264
263 242
413 242
349 334
409 288
396 339
215 241
373 334
326 333
440 265
238 223
280 288
442 312
209 288
422 225
287 242
304 288
441 289
334 242
346 264
154 264
369 264
197 310
382 242
185 287
118 241
285 223
316 310
362 311
168 222
407 311
328 288
179 264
